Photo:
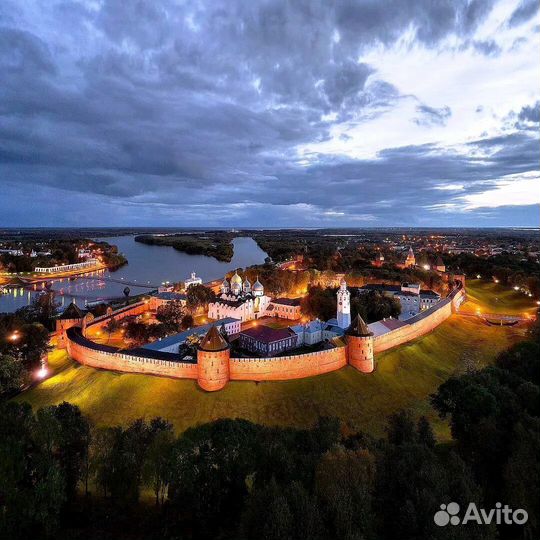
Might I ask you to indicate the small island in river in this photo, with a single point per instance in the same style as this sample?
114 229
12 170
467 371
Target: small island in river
213 244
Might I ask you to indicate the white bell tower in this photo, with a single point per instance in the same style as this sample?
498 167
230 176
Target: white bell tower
343 306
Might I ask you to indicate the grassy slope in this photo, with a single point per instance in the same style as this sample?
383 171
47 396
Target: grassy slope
404 379
491 297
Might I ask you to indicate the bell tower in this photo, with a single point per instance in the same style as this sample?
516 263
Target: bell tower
343 305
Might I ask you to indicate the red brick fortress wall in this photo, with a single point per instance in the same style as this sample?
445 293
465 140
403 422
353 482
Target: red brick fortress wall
215 368
287 367
91 354
421 324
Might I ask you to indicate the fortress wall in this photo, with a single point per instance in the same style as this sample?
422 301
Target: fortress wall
287 367
119 314
422 324
119 361
92 354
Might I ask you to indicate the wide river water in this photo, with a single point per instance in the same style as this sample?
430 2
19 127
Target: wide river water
147 265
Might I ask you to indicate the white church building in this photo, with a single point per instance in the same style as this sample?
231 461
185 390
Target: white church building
239 300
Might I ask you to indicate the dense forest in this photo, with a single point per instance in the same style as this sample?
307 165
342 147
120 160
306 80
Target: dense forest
213 244
62 478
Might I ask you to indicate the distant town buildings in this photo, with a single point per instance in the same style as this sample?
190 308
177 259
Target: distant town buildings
67 267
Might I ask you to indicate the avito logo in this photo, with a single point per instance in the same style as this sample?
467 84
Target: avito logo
449 514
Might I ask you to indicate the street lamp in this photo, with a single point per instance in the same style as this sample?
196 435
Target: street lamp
42 372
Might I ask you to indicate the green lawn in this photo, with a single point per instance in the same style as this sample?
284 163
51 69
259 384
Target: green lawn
490 297
404 379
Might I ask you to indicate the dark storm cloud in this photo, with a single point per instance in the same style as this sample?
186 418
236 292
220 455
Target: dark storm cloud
525 11
530 113
151 108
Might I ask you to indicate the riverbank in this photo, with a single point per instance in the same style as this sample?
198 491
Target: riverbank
31 278
147 265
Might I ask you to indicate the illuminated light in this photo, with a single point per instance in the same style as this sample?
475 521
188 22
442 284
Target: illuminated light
478 276
42 372
15 336
496 281
538 302
426 267
516 288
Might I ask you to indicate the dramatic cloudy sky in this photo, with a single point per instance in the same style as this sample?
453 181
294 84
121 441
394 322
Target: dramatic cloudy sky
269 113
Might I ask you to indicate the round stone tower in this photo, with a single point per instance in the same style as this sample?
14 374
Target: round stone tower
360 345
213 357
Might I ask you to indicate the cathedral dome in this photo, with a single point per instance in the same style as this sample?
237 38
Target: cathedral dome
258 286
236 279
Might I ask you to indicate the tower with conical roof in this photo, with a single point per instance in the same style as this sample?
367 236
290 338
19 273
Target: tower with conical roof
213 356
71 316
439 265
343 305
411 259
360 345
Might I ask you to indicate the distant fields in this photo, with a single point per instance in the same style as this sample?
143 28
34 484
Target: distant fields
490 297
404 378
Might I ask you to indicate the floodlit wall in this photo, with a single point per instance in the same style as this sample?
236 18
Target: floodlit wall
91 354
213 373
287 367
421 324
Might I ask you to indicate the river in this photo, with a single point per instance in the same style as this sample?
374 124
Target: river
147 265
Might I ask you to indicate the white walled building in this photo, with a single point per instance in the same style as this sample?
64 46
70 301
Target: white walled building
239 300
193 280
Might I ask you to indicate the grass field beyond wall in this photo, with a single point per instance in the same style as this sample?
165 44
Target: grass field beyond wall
404 378
490 297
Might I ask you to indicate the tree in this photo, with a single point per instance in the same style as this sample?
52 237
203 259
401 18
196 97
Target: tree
344 484
72 444
112 326
156 469
137 332
425 433
11 375
43 309
29 346
187 321
171 315
199 296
